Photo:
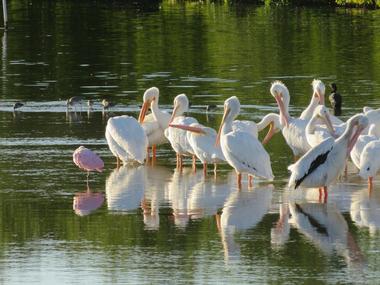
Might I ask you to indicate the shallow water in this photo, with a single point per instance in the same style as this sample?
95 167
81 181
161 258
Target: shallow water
152 224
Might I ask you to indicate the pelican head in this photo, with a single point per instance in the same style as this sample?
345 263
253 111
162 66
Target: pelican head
323 113
319 89
150 95
281 93
355 125
180 106
231 110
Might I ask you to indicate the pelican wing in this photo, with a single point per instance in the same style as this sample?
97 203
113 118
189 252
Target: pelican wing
246 126
249 152
178 137
310 162
127 138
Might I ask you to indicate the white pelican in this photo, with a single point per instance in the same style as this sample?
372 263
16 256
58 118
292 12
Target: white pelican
322 165
202 140
373 116
363 140
293 129
241 149
316 134
369 161
126 139
317 98
178 137
155 123
273 120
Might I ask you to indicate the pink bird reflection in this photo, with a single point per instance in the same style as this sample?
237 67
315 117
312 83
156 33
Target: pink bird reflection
86 202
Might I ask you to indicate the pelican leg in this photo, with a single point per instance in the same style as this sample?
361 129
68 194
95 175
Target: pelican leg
218 224
205 169
215 165
180 162
154 152
147 155
325 194
117 162
370 184
239 180
194 164
88 175
250 180
177 163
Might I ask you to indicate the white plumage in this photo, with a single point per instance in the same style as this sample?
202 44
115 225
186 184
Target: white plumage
203 144
126 139
241 149
293 129
322 164
369 160
363 140
155 123
315 134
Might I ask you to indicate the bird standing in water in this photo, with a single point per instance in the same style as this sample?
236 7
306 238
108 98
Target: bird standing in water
107 104
87 160
335 100
17 105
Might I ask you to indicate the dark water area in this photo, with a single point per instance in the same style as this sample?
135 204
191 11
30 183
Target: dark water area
152 224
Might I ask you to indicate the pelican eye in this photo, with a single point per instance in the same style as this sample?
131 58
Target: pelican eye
367 168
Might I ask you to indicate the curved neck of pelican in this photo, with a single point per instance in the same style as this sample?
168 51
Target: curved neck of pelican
311 125
266 120
308 112
158 115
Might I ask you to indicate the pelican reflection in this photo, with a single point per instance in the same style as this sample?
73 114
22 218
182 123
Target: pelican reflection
325 227
365 209
154 196
178 191
125 188
243 210
86 202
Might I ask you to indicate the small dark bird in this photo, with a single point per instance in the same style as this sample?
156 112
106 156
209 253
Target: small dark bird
73 101
90 103
211 107
335 100
17 105
107 104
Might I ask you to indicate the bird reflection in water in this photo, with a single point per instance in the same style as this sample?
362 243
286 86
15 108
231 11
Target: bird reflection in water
86 202
323 225
73 117
365 209
178 191
243 210
207 196
125 188
154 196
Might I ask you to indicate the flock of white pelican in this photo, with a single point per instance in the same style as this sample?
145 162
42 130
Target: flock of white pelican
321 143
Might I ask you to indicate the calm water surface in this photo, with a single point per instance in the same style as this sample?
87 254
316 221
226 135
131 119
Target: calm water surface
152 224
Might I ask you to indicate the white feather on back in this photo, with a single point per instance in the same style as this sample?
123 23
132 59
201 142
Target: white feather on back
126 139
178 137
204 145
302 166
246 126
246 154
